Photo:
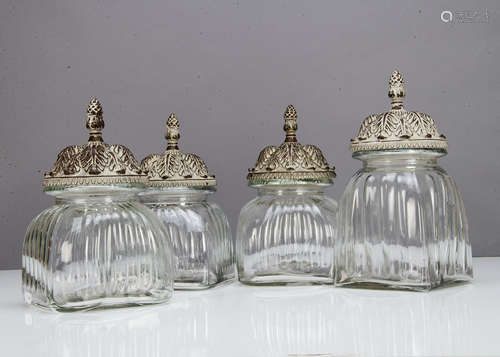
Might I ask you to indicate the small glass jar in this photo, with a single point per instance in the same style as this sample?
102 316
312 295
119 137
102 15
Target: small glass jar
286 234
402 222
177 191
97 246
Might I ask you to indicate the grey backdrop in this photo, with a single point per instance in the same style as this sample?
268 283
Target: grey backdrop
228 69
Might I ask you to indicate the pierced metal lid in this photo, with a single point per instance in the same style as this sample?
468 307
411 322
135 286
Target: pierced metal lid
94 163
291 162
173 168
398 128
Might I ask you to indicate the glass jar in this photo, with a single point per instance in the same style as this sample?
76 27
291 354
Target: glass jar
197 228
97 246
402 222
286 234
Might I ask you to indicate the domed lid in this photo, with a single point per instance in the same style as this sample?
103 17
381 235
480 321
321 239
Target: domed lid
291 162
398 128
173 168
94 163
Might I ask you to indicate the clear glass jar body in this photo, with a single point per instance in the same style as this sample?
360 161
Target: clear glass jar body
97 247
199 233
286 236
402 224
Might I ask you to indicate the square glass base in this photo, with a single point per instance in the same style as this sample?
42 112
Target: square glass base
401 285
101 303
286 279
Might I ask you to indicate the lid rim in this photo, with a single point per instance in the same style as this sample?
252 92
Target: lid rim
295 177
289 182
74 181
431 144
182 183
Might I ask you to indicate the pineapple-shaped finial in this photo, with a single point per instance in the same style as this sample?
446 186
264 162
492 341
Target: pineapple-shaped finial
396 89
172 135
290 126
95 123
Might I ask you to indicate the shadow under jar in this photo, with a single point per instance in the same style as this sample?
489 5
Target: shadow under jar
177 191
402 222
286 234
97 246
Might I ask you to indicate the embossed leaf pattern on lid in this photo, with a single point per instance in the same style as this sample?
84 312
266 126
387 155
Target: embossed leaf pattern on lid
291 160
398 128
173 167
94 162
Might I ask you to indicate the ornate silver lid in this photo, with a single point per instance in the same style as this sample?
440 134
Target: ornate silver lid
398 128
291 161
94 163
173 168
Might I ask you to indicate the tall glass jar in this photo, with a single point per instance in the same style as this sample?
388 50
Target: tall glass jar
177 191
285 235
402 222
97 246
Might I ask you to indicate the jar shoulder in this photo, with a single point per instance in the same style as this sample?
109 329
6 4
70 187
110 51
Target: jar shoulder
267 207
204 212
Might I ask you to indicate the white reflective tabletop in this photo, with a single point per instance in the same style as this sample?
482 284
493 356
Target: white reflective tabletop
236 320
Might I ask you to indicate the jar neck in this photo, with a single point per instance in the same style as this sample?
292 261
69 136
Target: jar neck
100 198
283 190
399 158
174 195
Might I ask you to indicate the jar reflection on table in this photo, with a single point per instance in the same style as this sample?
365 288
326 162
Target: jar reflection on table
381 323
296 320
318 320
122 333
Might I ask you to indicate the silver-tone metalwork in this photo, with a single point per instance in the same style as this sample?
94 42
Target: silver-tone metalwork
291 161
94 163
173 168
398 128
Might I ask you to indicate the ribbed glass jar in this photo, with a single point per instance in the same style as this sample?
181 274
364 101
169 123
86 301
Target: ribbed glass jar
402 224
199 232
285 236
96 247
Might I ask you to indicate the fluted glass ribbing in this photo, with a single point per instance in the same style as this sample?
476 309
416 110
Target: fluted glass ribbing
199 232
285 236
88 252
402 224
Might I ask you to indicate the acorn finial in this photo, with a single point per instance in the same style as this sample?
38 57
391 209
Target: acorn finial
290 126
396 89
172 135
94 123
